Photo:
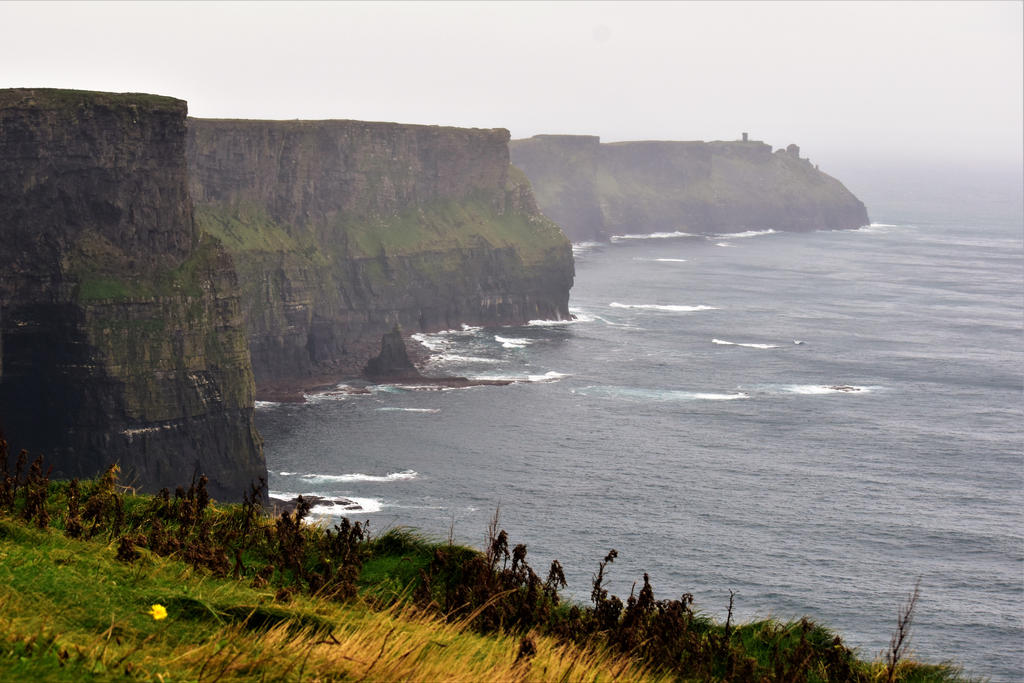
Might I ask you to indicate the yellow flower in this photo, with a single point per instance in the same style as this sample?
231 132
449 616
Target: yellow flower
158 612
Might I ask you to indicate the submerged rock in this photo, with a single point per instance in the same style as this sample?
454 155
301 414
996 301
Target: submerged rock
279 505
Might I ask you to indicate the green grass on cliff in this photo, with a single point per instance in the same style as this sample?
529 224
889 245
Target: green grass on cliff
104 272
96 583
446 225
440 226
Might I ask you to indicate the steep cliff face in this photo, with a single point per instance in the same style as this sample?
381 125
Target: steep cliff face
342 229
596 190
123 338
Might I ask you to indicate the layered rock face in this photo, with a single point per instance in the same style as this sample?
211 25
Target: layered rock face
341 230
123 338
596 190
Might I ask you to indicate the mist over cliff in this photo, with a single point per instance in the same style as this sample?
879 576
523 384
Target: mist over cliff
595 190
342 229
122 332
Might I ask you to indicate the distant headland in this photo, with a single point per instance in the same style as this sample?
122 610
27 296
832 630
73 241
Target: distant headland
595 190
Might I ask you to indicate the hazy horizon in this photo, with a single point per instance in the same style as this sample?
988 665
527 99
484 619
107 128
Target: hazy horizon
849 82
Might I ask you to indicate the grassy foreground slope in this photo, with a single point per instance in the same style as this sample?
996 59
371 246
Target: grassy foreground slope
97 583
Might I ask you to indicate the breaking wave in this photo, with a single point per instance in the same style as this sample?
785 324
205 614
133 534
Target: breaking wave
583 247
550 376
512 342
456 358
258 405
747 233
404 475
582 316
409 410
660 260
637 394
357 505
437 341
749 346
553 323
653 236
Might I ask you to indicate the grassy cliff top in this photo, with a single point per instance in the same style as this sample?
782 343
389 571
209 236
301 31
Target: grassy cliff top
306 124
97 582
57 98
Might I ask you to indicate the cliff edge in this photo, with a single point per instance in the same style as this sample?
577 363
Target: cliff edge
123 339
595 190
341 230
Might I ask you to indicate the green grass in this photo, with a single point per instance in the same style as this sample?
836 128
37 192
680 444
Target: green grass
75 608
439 226
446 225
103 273
69 610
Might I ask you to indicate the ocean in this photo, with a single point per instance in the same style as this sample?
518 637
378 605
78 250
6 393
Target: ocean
815 421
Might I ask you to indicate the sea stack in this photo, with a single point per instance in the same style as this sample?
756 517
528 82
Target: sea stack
342 230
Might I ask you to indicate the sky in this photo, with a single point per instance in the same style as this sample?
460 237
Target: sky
860 82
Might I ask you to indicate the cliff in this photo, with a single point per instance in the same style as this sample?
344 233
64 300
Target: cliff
342 230
596 190
121 326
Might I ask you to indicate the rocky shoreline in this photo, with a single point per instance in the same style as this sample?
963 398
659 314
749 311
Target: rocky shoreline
391 367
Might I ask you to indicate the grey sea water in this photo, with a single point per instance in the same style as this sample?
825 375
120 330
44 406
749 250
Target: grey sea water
812 420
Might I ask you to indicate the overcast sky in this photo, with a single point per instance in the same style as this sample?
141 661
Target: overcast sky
937 82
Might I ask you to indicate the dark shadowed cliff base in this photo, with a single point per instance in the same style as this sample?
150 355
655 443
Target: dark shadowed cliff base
595 190
122 332
341 230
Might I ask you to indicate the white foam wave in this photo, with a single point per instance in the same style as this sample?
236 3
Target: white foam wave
410 410
659 307
747 233
639 394
819 389
703 396
550 376
612 323
724 244
512 342
749 346
582 316
358 476
552 323
653 236
456 358
438 341
670 260
583 247
358 506
259 405
432 342
287 474
879 228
